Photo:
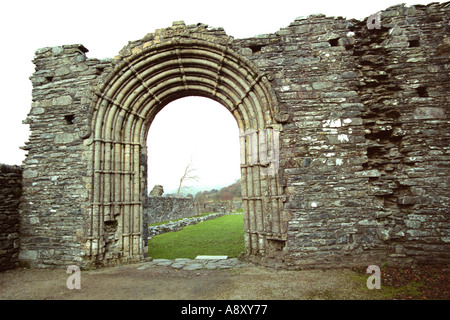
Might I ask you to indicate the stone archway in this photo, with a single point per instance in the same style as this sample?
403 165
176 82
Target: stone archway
127 101
363 156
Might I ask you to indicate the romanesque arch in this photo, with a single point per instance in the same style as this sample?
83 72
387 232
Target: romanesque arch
124 107
363 168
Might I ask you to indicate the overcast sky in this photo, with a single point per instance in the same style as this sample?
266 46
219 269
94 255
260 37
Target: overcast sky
105 27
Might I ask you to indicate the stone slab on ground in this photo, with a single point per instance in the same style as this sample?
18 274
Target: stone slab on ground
196 264
211 257
193 266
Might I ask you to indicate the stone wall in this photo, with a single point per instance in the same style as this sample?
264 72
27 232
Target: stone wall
169 208
364 156
219 206
10 192
57 176
173 226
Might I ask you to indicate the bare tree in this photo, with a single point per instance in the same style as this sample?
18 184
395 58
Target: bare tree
189 175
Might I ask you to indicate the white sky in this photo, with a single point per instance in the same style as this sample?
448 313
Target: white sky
105 27
176 137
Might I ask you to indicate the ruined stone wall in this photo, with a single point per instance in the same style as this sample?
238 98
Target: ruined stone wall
364 156
219 206
404 87
10 192
169 208
57 175
323 144
177 225
159 208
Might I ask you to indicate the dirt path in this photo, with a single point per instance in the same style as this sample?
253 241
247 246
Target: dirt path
164 283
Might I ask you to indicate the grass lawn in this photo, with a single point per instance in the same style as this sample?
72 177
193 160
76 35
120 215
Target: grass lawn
220 236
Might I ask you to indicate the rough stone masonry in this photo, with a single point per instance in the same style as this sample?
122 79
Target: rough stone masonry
362 116
10 192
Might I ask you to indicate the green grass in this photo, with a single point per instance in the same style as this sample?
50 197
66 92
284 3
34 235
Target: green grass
220 236
387 292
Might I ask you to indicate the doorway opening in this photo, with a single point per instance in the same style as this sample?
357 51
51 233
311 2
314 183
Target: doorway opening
193 151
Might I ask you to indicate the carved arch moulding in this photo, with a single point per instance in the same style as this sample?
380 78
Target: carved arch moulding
125 103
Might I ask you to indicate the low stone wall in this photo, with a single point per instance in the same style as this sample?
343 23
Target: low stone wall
159 209
221 206
10 192
180 224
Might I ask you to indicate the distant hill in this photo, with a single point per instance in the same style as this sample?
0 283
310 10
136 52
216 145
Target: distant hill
231 192
212 192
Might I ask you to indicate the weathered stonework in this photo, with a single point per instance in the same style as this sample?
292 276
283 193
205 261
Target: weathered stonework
177 225
169 208
362 117
10 192
157 191
225 207
159 208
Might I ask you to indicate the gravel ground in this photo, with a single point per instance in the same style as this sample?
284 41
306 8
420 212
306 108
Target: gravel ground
165 283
